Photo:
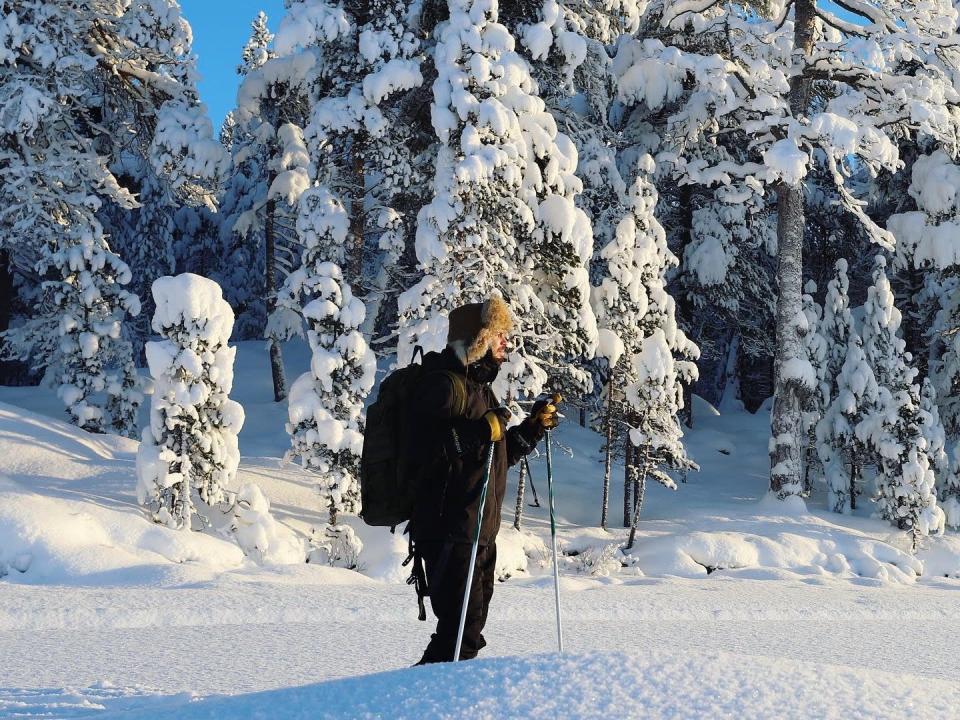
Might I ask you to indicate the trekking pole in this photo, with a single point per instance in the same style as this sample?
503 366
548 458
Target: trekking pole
536 500
473 554
553 535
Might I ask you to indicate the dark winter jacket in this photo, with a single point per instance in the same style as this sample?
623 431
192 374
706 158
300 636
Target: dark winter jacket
450 442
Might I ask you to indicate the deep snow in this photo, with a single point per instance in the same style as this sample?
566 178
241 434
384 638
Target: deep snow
726 597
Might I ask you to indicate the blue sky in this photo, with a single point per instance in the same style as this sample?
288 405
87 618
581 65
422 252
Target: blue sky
220 30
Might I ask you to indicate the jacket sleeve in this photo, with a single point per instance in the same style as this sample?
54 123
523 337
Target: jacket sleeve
521 440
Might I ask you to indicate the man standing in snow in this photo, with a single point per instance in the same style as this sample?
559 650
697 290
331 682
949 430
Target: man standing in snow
455 416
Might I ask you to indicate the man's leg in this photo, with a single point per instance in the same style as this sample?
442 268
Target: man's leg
446 569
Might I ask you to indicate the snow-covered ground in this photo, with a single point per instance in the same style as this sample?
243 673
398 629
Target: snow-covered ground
730 605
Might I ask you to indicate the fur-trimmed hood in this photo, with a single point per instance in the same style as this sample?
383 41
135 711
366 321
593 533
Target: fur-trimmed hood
474 326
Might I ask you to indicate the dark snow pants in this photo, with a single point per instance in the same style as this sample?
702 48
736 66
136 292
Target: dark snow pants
446 567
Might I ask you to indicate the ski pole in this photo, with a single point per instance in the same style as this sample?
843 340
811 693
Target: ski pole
536 500
473 554
553 535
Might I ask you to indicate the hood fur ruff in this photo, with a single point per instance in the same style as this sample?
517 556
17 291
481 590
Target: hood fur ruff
474 327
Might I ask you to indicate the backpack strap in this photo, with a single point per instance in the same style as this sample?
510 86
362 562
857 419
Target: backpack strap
459 385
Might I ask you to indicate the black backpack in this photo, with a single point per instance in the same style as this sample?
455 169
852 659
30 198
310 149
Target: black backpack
388 484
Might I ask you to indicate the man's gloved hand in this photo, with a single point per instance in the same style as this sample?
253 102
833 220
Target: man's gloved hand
544 412
498 419
542 417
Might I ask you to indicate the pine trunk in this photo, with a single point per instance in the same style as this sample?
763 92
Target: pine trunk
583 416
276 358
356 220
627 480
786 420
521 487
640 482
854 477
607 460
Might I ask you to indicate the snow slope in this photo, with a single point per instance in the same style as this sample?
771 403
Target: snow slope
725 592
595 685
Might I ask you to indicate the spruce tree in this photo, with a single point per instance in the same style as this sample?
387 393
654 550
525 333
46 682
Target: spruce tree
657 352
326 403
848 391
894 430
189 453
503 207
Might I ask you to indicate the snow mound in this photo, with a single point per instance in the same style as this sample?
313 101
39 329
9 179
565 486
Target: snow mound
598 685
68 512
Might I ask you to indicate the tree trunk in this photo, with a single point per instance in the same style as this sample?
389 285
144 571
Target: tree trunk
854 477
583 416
627 480
640 482
786 419
355 260
276 358
607 459
521 486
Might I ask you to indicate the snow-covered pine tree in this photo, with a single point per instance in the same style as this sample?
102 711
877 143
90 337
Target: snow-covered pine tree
392 149
817 396
242 273
893 431
847 389
928 241
503 208
326 403
474 219
257 49
81 86
841 449
654 354
273 107
189 452
932 430
636 317
835 327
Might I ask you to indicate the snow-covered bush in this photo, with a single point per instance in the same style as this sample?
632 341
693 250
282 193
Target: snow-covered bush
259 534
335 545
189 453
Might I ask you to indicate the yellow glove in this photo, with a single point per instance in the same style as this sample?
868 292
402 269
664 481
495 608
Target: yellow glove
498 419
544 412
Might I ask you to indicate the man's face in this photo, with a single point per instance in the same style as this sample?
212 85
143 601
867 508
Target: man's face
500 347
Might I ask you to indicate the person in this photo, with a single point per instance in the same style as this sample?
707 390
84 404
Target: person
454 418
